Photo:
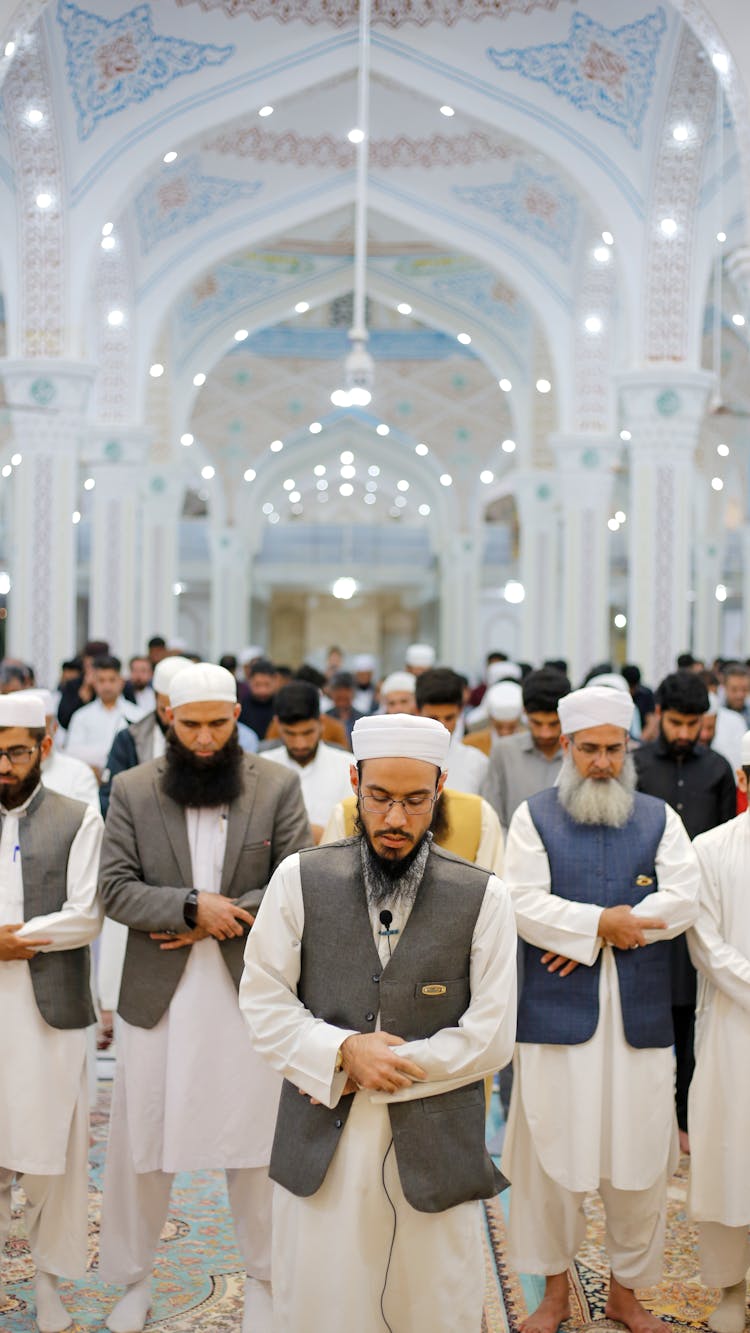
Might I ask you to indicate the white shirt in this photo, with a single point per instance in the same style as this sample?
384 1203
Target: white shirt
600 1109
719 1102
46 1062
727 741
70 777
93 728
325 780
468 768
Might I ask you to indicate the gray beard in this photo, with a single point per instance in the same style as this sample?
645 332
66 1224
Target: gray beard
597 801
389 881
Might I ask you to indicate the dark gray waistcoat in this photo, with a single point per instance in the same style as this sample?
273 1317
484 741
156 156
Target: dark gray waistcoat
439 1141
45 834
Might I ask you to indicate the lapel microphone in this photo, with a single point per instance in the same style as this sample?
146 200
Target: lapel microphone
386 918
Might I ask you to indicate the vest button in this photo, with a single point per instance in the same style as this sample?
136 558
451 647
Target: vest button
376 976
369 1017
339 1123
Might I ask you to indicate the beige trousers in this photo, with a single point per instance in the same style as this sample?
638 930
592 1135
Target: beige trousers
723 1253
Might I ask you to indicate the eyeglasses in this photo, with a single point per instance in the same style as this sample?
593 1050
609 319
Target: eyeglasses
609 751
17 754
382 805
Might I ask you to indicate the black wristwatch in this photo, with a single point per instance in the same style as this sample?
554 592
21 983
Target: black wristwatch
190 909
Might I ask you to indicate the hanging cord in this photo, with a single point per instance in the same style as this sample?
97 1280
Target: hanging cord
393 1237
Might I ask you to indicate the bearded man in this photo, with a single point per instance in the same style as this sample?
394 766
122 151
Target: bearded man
601 877
191 840
380 980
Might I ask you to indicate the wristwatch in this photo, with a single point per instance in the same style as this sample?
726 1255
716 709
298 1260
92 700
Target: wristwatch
190 909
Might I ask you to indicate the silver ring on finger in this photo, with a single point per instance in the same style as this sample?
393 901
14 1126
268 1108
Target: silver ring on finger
635 946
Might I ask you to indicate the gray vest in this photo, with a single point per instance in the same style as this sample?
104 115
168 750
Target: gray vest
439 1141
593 863
45 834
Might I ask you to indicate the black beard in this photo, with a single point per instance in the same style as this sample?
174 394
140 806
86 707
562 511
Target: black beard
163 726
192 781
12 797
678 749
390 881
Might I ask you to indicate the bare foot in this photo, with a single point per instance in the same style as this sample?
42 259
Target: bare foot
553 1308
682 1134
623 1306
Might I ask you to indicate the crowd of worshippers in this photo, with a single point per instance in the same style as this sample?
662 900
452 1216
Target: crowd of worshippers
327 908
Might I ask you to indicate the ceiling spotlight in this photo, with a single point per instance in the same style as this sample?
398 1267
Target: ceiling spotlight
402 485
543 386
348 472
613 525
722 450
508 446
720 592
241 335
89 484
447 111
346 489
321 485
720 62
625 435
370 499
276 446
421 449
486 477
602 254
315 428
680 133
43 200
620 620
187 439
75 516
115 318
717 483
108 228
424 510
34 116
10 49
464 338
404 308
265 111
593 324
373 470
347 457
608 238
355 136
738 320
721 236
302 307
295 497
108 242
668 227
267 507
171 156
344 588
156 371
446 479
16 459
289 484
514 591
505 385
250 474
382 429
208 472
620 515
319 470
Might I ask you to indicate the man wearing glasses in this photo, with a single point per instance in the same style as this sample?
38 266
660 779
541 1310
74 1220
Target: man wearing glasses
49 913
380 980
601 877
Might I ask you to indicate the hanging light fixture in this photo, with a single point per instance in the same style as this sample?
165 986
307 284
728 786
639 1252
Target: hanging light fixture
359 368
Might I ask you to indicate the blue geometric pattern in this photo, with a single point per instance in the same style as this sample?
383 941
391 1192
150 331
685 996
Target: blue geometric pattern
475 291
315 344
608 71
182 196
113 64
537 205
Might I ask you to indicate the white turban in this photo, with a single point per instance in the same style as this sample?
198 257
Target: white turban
202 682
713 705
250 653
22 708
745 750
420 655
399 682
497 671
399 736
612 679
165 672
363 662
504 701
48 702
595 706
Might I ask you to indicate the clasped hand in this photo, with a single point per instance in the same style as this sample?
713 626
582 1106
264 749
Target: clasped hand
370 1061
12 949
618 926
216 915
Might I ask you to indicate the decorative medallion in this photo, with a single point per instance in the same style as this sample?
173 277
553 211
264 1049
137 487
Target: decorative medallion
668 402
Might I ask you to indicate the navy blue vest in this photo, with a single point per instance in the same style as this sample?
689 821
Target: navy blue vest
594 863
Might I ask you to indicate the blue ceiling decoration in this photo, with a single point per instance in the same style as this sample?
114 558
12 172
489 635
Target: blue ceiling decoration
178 198
610 72
112 64
535 204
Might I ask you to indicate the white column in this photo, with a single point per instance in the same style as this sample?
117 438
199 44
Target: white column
738 272
229 591
159 553
746 584
708 553
663 409
459 600
42 601
116 461
539 571
585 464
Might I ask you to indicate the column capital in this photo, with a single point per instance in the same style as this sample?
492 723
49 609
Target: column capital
585 464
48 384
665 401
107 445
535 489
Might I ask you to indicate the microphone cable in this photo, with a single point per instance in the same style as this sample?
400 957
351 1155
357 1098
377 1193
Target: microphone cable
393 1237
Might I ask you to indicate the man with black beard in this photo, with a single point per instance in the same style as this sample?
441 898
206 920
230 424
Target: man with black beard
699 784
145 739
191 840
380 980
601 877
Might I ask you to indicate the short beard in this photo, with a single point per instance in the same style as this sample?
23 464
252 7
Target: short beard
12 797
393 881
201 783
607 801
677 749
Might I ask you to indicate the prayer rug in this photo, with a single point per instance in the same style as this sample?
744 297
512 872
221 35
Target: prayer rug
199 1281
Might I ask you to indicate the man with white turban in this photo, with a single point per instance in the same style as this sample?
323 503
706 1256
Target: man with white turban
380 980
397 693
601 876
49 913
719 1099
190 842
419 657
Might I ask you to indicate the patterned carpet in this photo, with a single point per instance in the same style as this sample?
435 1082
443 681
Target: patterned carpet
199 1281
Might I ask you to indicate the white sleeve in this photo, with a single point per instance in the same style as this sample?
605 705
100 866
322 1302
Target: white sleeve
80 917
678 877
301 1047
490 851
722 963
544 919
483 1040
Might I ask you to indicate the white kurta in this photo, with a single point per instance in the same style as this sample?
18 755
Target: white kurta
338 1241
70 777
468 768
48 1064
612 1114
719 1103
93 728
325 780
489 854
198 1096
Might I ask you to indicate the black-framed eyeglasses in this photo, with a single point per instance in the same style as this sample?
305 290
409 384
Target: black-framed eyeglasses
382 804
18 754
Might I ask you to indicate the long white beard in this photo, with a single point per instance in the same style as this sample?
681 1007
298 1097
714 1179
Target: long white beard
597 800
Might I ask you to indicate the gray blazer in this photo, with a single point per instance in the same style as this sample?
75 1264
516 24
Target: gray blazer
145 870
